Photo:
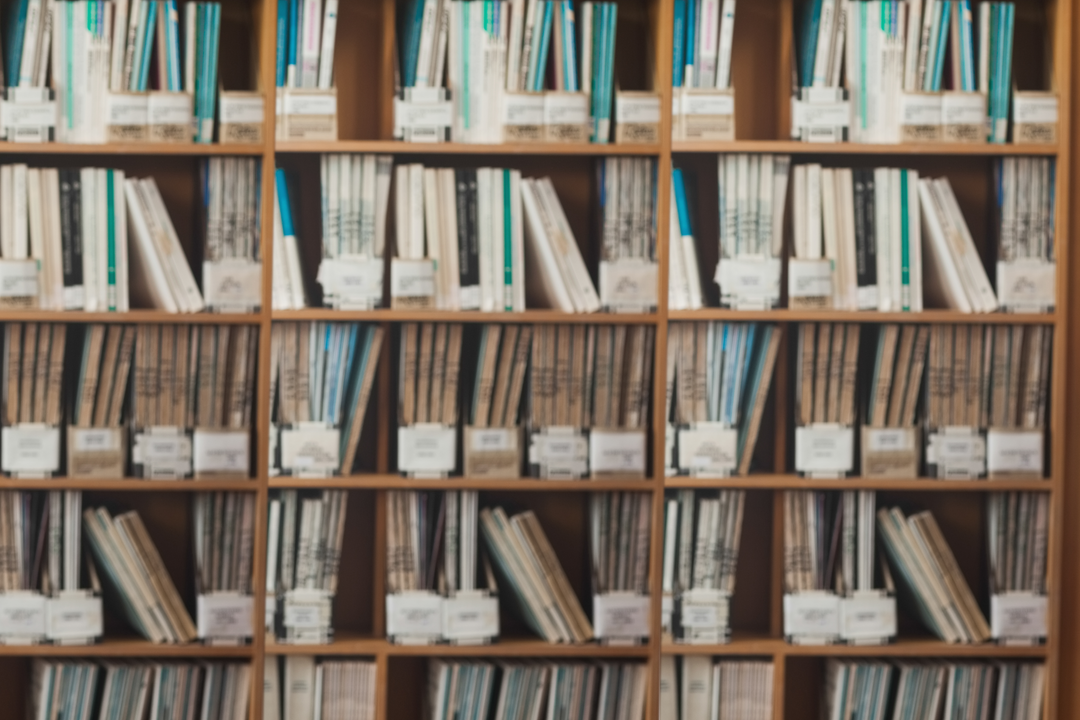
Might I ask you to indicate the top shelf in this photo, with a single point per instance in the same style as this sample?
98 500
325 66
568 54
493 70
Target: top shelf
794 147
406 148
190 149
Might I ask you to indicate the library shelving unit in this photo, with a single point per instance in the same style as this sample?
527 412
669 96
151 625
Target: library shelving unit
763 45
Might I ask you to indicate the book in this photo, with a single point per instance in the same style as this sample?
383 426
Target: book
1016 537
432 543
307 543
223 533
702 538
724 689
619 526
829 542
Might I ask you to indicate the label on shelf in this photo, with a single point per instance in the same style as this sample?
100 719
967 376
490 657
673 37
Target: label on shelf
412 278
30 449
813 615
829 114
963 116
1015 452
224 615
628 285
74 615
96 439
560 453
27 114
414 615
717 102
310 449
615 451
427 449
708 449
1027 284
19 279
824 450
164 452
890 452
470 616
566 108
351 282
810 278
959 453
411 114
890 439
22 616
307 609
311 103
1019 615
221 452
242 108
127 109
169 108
621 616
1035 108
95 452
749 283
867 616
637 108
232 284
492 452
703 114
920 109
492 439
523 108
704 609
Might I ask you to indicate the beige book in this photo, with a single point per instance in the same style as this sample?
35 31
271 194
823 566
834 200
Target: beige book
180 377
167 376
850 370
356 424
757 411
684 405
618 381
556 577
886 371
915 376
575 388
13 333
835 374
636 352
958 398
29 368
423 373
674 343
42 372
303 366
954 575
503 372
805 378
589 382
205 369
604 360
564 349
933 377
974 376
410 338
646 376
1000 379
237 380
821 371
225 359
700 398
522 354
453 373
485 380
193 365
174 606
901 372
56 375
438 371
1016 357
91 366
948 369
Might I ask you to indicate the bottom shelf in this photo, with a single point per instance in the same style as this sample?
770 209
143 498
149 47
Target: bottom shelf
345 644
903 647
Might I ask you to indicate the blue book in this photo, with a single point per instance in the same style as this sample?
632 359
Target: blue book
14 41
570 73
967 43
175 81
282 41
545 44
148 42
294 43
680 202
213 41
1004 94
806 37
609 66
939 53
677 40
283 202
693 8
410 21
508 245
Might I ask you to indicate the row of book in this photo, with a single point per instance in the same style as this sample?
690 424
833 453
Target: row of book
432 542
704 33
149 689
231 208
301 687
306 33
697 687
40 541
304 540
702 533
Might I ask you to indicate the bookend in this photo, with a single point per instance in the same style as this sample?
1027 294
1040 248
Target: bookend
621 618
22 617
74 617
559 453
309 449
493 453
220 453
703 114
703 617
471 617
19 284
30 450
1035 117
956 453
707 450
963 117
1027 285
810 284
169 117
821 114
412 284
920 117
1018 618
351 282
825 450
617 452
566 117
96 452
161 453
306 114
423 115
637 117
28 114
242 116
232 285
812 617
868 617
427 450
628 285
1014 454
523 117
414 618
749 282
305 617
127 117
224 618
890 452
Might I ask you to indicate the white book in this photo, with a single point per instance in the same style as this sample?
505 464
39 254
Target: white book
696 687
346 195
300 687
984 48
88 235
426 51
281 292
980 290
54 274
517 243
513 55
708 30
485 240
846 224
727 35
331 198
800 227
678 285
433 225
546 287
826 30
449 269
498 242
671 529
150 282
384 165
119 39
831 233
781 173
37 230
887 254
893 227
911 49
106 293
581 284
326 52
415 238
190 296
31 41
310 36
402 204
695 300
915 266
763 213
21 238
942 277
814 228
7 211
441 43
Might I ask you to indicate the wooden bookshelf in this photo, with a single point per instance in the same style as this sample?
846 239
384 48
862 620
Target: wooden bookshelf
763 45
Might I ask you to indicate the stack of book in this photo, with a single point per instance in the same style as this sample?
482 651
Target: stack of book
306 31
432 542
462 689
684 274
928 571
1024 208
429 365
628 207
33 372
135 573
502 359
996 23
896 380
620 524
41 541
722 690
1016 534
527 566
231 208
288 286
224 536
701 49
161 277
303 540
955 276
829 541
560 279
308 688
147 689
105 363
702 554
826 363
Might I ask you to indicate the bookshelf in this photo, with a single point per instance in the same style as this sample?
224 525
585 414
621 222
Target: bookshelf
364 66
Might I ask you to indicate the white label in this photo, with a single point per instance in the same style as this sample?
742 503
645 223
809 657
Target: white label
699 616
349 279
30 449
523 109
95 439
311 103
708 103
628 284
127 109
307 449
637 109
1014 451
18 278
621 615
708 448
222 451
241 109
566 108
427 448
617 451
835 114
1027 283
164 451
414 614
169 108
412 278
22 614
810 278
492 439
890 439
34 114
470 617
702 609
814 614
1035 109
824 449
959 452
1018 615
750 281
560 452
920 109
867 617
224 615
963 109
412 114
76 616
232 283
